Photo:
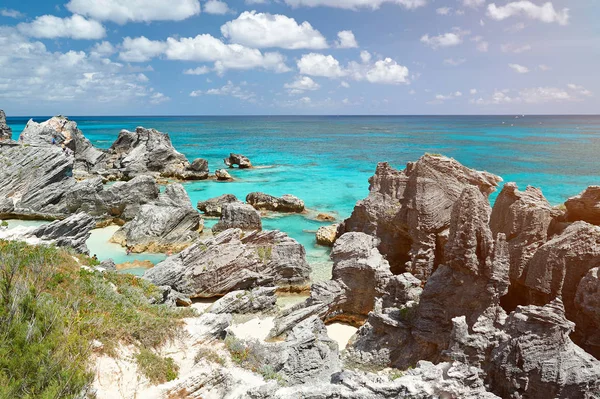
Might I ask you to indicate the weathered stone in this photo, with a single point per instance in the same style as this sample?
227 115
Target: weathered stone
243 302
5 130
326 235
409 211
265 202
107 265
213 206
233 261
72 232
585 206
237 159
198 170
222 175
237 215
587 313
172 298
210 326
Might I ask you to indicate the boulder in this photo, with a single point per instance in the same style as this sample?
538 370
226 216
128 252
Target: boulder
222 175
107 265
71 232
326 235
233 261
585 206
243 302
237 215
237 159
168 224
409 211
324 217
198 170
172 298
213 206
5 130
587 313
265 202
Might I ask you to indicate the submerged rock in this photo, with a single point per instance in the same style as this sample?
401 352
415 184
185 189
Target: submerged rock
237 215
326 235
585 206
233 261
265 202
409 211
237 159
5 130
71 232
214 206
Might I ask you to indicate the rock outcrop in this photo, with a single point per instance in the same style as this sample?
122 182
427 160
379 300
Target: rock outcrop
237 159
233 261
223 175
409 211
326 235
214 206
587 313
168 224
585 206
71 232
257 300
265 202
5 130
237 215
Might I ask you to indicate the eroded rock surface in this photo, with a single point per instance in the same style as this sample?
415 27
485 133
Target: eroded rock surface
237 159
214 206
259 299
585 206
237 215
71 232
5 130
265 202
587 312
326 235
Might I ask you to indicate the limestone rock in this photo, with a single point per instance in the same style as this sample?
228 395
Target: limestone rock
198 170
585 206
5 130
237 159
213 206
233 261
168 224
326 235
72 232
172 298
237 215
409 211
222 175
107 265
587 316
265 202
243 302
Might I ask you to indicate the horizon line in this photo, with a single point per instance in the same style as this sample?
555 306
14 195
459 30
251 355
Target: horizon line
289 115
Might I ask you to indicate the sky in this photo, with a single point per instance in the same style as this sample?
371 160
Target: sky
296 57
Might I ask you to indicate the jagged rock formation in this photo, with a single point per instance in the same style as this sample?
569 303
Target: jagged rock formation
587 312
223 175
233 261
326 235
265 202
585 206
237 159
214 206
259 299
5 130
409 211
168 224
71 232
237 215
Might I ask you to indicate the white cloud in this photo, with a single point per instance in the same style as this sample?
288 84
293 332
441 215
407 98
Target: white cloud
534 95
141 49
345 84
445 39
443 10
202 70
515 28
519 68
346 40
256 1
544 68
481 45
365 56
473 91
355 4
579 89
74 27
515 48
540 95
454 62
387 71
216 7
441 98
228 90
320 65
545 13
122 11
158 98
301 84
473 3
103 49
10 13
262 30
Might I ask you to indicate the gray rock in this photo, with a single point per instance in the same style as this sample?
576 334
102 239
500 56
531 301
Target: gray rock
172 298
108 265
168 224
210 327
198 170
265 202
410 210
237 215
213 206
237 159
243 302
326 235
587 313
72 232
222 175
5 130
585 206
233 261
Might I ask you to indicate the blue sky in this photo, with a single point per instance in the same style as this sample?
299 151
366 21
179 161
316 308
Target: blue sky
212 57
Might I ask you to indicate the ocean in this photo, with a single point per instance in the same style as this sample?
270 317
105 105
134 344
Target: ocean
327 160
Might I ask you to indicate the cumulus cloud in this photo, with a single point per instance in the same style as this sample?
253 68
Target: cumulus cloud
122 11
52 27
10 13
545 13
443 10
535 95
346 39
262 30
515 48
454 62
544 68
158 98
579 89
141 49
473 3
445 39
473 91
355 4
216 7
519 68
365 56
202 70
385 71
441 98
103 49
345 84
481 44
229 89
301 84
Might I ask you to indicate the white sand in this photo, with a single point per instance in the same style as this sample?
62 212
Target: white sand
257 328
341 333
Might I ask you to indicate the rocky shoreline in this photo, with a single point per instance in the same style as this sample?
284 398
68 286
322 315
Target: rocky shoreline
452 297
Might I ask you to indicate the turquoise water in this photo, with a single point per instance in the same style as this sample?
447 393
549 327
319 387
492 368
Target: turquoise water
327 161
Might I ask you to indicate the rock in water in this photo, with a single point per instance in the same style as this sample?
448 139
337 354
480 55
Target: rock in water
237 159
5 130
326 235
72 232
265 202
409 211
213 206
237 215
168 224
585 206
222 175
233 261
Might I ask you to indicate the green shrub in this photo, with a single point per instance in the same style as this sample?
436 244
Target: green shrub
158 369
